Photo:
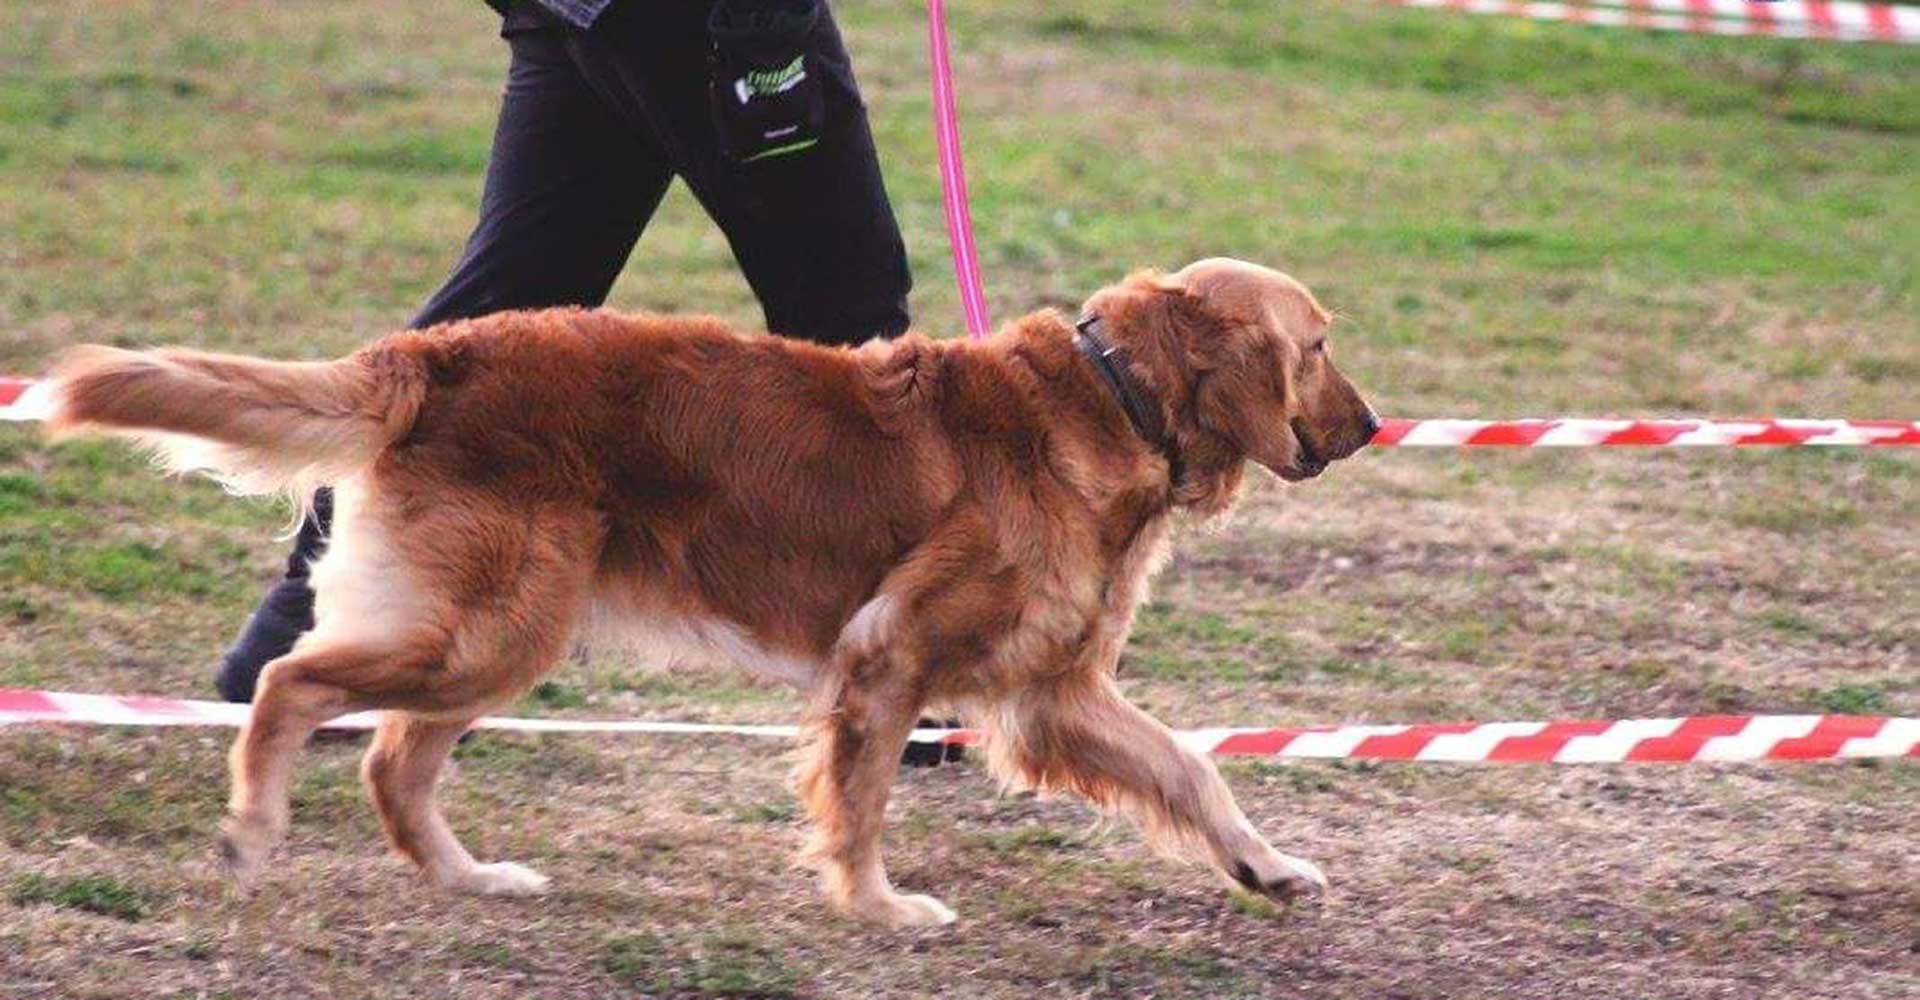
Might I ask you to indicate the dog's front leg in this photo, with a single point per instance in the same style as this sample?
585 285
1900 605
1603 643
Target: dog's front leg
1081 735
859 728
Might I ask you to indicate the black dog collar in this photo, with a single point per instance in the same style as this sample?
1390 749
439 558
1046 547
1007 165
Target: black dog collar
1134 399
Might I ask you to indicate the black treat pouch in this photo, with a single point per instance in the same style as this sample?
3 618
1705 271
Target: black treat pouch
765 87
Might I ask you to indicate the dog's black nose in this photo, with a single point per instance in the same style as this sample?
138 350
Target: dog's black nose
1373 424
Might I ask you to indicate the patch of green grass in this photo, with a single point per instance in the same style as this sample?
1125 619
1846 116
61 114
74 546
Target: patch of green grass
19 492
20 610
137 162
1787 515
1200 967
154 799
1299 777
552 694
1725 696
130 569
1205 628
1028 839
719 685
1788 622
517 757
633 958
121 571
497 954
1485 58
1876 368
1379 673
415 154
1641 674
99 894
717 965
1181 644
200 946
1257 906
1636 568
1469 862
1854 699
782 811
20 806
1023 908
328 790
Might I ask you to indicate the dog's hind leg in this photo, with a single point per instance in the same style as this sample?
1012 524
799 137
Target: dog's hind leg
400 771
297 693
1080 735
519 593
859 727
491 656
458 613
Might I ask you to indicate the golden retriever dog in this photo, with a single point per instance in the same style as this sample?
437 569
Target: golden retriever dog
891 527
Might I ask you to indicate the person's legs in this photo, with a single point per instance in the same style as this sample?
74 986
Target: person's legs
569 187
811 227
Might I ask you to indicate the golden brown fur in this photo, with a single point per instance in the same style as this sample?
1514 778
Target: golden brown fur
901 524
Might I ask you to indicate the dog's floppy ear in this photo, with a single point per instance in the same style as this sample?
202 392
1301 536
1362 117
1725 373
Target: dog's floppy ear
1243 396
1193 359
1241 384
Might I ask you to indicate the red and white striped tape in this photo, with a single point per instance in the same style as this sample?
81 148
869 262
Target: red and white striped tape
1692 738
23 399
1829 20
1695 738
22 706
1591 433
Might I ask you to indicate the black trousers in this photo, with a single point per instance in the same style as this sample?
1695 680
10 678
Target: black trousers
593 126
596 123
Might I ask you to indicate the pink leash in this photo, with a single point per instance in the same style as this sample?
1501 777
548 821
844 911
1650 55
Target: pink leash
953 176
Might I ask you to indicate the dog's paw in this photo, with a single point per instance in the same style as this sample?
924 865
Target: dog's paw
1280 876
502 878
900 911
244 847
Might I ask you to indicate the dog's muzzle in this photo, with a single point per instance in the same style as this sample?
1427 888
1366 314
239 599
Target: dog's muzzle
1307 462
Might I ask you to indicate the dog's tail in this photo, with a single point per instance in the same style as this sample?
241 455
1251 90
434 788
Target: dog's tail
257 426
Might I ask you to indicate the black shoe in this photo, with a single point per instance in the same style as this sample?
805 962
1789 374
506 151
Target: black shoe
933 754
284 615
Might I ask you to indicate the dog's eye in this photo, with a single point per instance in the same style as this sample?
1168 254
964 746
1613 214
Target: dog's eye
1319 346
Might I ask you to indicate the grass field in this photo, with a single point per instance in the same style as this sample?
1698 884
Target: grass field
1511 219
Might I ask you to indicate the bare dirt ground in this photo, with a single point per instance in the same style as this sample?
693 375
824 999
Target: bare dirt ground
1510 218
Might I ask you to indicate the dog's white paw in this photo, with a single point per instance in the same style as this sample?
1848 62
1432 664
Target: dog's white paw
1280 876
502 878
899 910
244 846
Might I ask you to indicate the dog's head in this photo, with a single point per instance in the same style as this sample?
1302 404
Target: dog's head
1238 355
